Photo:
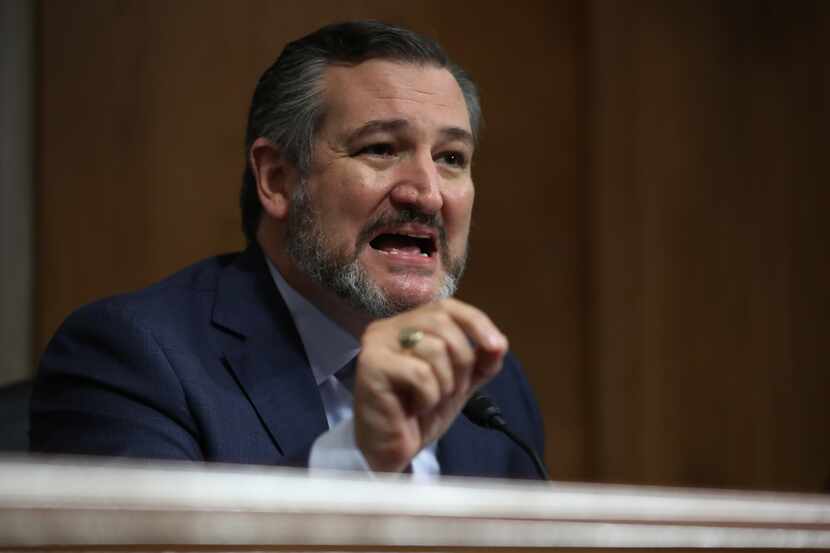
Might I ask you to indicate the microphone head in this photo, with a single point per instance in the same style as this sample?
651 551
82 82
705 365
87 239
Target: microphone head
482 411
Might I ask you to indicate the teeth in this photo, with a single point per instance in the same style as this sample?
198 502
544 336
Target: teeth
424 254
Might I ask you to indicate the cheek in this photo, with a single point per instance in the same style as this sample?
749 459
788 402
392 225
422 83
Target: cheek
458 209
345 195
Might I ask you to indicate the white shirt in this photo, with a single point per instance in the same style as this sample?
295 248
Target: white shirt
329 348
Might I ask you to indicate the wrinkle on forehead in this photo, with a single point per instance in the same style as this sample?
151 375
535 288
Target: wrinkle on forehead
405 99
383 79
400 91
382 93
379 89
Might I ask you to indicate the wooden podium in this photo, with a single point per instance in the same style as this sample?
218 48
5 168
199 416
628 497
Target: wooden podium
72 504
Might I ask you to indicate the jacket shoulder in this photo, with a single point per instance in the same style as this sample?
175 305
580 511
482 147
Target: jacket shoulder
188 288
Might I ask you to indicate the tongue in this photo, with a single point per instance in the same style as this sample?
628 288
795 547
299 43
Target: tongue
394 243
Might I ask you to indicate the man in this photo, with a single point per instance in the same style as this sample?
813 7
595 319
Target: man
333 340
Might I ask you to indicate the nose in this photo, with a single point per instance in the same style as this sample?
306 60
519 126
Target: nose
418 185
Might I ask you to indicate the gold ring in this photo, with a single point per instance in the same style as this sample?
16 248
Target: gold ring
409 337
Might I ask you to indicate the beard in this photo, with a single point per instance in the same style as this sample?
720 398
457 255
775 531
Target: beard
343 273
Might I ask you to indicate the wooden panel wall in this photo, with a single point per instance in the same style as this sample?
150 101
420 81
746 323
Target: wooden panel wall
709 326
648 226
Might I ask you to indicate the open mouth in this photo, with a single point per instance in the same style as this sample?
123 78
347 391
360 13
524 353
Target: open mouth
406 244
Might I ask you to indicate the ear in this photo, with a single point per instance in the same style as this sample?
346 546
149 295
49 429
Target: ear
274 177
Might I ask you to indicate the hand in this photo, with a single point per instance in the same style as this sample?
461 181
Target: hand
407 398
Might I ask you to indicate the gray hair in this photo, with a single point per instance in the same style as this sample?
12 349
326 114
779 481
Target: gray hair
288 109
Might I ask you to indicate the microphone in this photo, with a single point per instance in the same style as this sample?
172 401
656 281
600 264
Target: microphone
482 411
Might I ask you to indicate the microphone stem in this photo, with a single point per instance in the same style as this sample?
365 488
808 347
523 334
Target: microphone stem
482 411
540 466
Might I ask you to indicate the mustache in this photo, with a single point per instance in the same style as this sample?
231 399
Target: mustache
402 217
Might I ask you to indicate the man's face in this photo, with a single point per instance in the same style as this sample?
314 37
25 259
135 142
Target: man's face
384 214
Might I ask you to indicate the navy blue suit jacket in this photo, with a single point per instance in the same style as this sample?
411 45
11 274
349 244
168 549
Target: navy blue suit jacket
207 365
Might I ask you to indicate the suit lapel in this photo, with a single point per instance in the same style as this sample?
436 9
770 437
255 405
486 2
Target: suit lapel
264 351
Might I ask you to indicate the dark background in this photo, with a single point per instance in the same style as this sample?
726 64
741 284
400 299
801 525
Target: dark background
650 227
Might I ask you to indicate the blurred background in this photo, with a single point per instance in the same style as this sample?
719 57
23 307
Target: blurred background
651 224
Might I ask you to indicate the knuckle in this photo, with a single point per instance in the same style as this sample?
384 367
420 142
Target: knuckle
480 318
421 372
432 393
461 351
441 348
466 357
432 346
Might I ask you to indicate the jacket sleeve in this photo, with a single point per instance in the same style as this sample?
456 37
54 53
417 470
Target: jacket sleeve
105 387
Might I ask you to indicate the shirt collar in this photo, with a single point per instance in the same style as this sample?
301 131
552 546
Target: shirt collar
328 346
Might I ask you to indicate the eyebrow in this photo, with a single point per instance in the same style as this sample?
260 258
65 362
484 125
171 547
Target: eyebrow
377 125
457 133
394 125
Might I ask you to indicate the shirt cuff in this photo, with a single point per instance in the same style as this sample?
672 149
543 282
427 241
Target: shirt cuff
337 449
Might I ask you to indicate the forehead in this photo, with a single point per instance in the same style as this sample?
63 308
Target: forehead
424 95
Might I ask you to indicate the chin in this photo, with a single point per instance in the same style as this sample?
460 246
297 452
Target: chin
409 295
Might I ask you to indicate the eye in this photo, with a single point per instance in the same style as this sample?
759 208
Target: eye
453 159
380 149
